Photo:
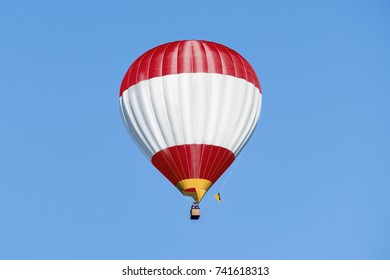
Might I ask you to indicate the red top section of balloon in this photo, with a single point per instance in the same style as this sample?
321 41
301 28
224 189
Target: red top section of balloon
188 56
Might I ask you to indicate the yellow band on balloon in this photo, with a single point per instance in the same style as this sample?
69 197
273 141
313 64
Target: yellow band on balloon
201 186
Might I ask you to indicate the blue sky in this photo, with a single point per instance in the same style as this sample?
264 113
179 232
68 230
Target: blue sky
312 183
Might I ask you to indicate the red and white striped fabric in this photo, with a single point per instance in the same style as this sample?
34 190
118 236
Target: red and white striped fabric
191 106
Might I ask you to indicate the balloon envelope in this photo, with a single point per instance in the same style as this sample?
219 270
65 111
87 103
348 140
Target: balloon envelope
191 106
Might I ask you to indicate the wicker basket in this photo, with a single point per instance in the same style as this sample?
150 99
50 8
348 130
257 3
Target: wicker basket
195 213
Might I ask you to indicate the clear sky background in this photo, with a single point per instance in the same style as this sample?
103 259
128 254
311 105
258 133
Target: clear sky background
312 183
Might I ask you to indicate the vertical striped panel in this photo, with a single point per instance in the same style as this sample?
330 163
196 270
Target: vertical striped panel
189 56
194 108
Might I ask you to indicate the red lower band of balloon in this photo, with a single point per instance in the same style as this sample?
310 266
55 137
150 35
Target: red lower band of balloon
190 161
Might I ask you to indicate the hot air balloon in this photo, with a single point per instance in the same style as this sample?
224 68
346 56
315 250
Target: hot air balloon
191 106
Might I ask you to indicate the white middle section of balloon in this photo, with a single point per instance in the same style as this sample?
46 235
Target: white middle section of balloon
191 108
